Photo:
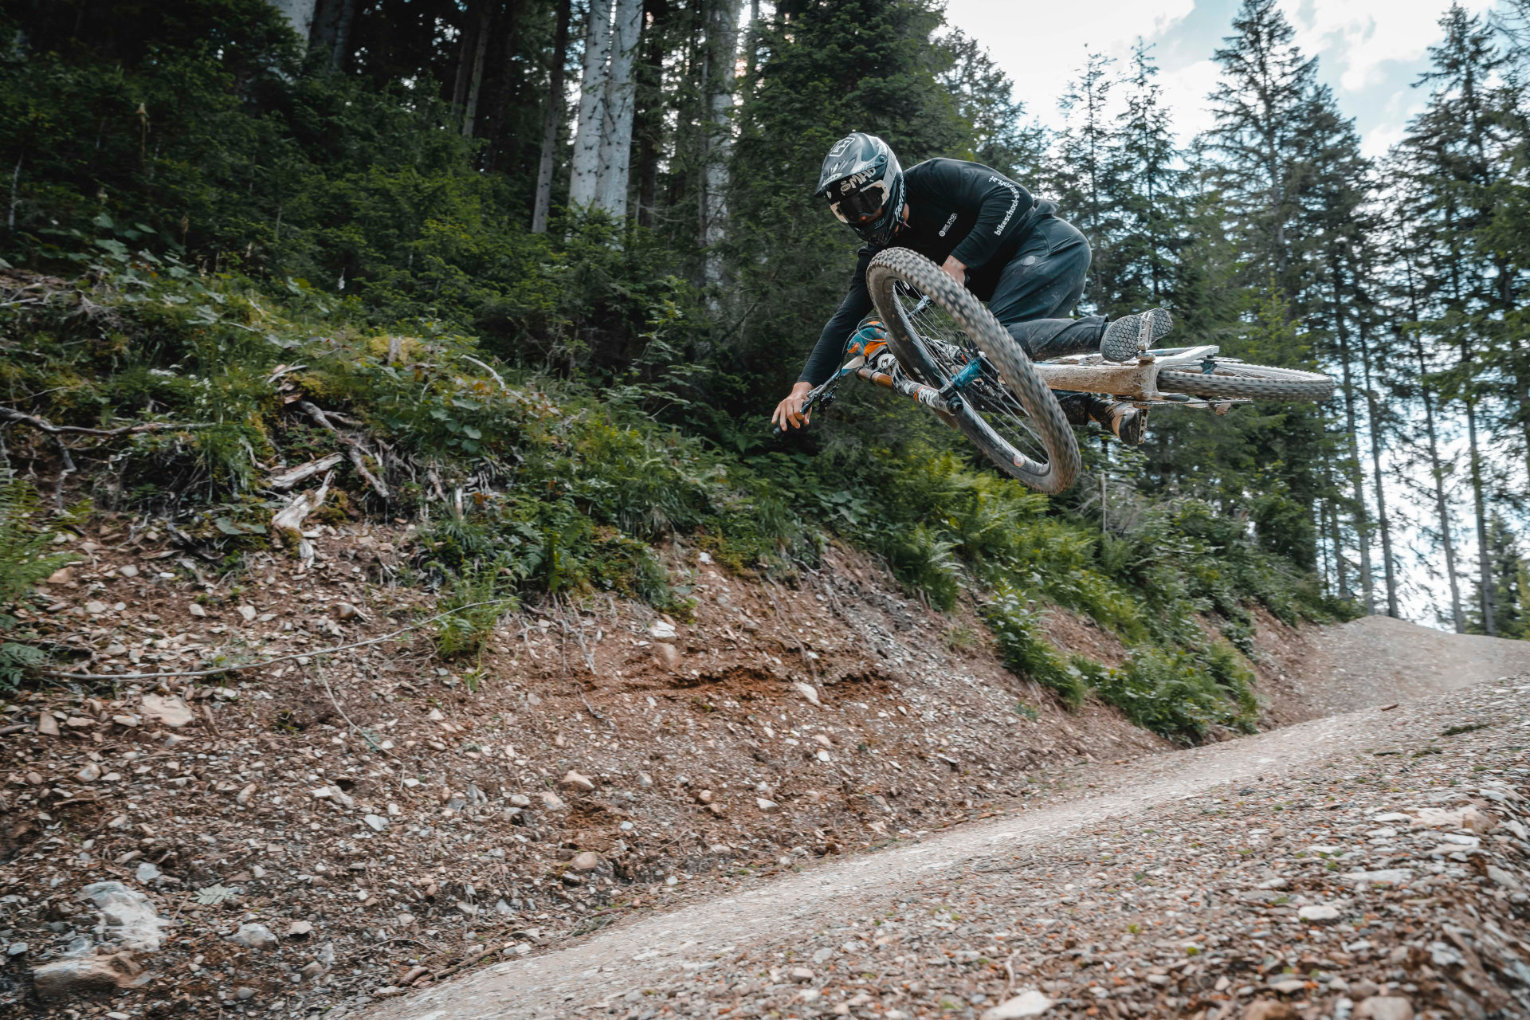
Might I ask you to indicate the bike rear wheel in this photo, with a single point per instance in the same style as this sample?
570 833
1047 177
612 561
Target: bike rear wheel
1006 411
1237 379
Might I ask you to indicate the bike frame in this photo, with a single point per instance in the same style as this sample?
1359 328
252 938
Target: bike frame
1084 373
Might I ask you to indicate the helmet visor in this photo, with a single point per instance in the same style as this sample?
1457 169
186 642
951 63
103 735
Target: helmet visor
858 207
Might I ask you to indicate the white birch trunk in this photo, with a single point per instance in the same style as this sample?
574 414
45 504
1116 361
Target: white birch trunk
722 58
621 89
585 170
299 14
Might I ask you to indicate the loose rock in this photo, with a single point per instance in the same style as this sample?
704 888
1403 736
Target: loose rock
1030 1002
171 711
253 936
63 979
574 781
1384 1007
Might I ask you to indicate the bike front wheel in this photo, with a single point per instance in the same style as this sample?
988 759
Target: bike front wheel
1233 379
1006 410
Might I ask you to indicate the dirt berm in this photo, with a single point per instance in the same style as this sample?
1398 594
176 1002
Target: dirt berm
333 828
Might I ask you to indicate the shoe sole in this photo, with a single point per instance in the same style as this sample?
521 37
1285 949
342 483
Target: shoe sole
1129 336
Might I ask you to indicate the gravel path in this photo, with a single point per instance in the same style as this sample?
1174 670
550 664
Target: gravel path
1377 660
1213 882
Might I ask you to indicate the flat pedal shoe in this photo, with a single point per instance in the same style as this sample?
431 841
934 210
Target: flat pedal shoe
1130 335
1129 423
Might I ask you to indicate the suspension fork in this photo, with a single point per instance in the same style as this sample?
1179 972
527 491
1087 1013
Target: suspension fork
920 393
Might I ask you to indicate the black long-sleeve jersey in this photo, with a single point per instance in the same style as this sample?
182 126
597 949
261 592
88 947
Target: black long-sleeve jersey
954 208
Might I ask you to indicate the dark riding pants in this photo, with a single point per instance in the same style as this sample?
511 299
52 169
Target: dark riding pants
1036 289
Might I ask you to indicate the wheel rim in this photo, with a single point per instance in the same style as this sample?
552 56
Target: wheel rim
951 350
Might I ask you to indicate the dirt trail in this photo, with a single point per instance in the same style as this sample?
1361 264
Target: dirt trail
1377 660
1366 662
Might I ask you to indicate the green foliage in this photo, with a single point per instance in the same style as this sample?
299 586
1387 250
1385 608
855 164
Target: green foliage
1016 624
24 561
1179 694
554 408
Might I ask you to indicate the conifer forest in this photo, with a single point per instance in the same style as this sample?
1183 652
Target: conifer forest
553 262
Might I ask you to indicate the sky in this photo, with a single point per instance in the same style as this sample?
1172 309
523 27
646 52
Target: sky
1369 51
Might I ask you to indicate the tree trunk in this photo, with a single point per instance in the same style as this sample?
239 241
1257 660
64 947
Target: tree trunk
1336 538
1485 580
332 22
649 121
475 83
722 53
1356 472
616 134
592 101
1383 522
1437 473
299 14
551 121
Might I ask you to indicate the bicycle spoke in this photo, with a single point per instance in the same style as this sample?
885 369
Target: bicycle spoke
953 349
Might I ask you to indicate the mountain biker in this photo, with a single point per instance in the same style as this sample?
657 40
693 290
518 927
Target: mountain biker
988 233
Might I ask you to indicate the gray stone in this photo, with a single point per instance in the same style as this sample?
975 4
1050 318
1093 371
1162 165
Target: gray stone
253 936
244 992
1383 876
147 872
589 860
1320 914
1030 1002
127 916
377 823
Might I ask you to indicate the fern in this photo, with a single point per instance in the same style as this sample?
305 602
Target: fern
24 561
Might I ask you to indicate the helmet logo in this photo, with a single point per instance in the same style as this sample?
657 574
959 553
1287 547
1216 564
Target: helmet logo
841 145
856 180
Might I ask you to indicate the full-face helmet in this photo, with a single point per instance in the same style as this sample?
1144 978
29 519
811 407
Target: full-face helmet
863 183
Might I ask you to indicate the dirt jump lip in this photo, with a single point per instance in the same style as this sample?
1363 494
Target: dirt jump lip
593 974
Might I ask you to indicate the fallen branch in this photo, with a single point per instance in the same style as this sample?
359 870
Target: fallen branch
61 675
358 461
8 414
486 368
287 479
288 521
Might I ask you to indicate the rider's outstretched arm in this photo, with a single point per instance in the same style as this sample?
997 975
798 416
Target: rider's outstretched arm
831 342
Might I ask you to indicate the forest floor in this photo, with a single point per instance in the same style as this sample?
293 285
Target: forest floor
334 828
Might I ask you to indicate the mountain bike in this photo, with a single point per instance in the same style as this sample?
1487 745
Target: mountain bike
948 353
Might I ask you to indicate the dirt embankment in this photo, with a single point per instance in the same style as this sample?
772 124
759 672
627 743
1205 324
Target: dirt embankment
334 826
600 761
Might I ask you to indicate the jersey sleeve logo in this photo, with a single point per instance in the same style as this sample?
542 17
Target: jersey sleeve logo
1014 202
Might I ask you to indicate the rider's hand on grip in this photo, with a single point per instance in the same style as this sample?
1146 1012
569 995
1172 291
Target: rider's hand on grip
789 413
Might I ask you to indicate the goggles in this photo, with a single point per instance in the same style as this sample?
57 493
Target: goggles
858 207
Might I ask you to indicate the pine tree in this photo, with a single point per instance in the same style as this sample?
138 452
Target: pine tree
1084 170
1149 192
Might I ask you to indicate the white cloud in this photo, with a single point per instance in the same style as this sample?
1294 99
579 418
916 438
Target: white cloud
1041 46
1355 38
1184 92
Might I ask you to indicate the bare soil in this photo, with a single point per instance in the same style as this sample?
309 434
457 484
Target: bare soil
393 819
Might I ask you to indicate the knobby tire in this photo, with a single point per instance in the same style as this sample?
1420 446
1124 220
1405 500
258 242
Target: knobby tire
1235 379
1045 417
